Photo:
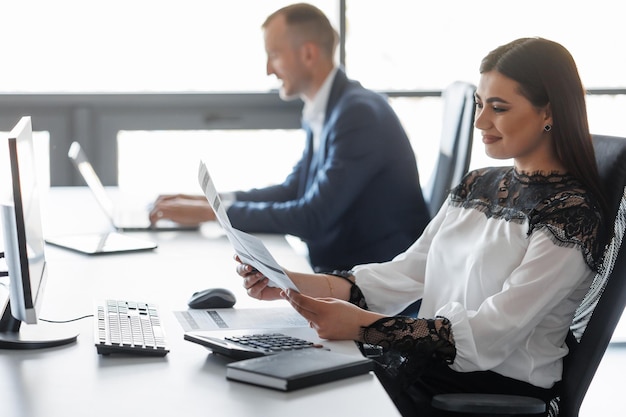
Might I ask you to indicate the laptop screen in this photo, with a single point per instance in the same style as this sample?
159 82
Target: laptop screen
79 158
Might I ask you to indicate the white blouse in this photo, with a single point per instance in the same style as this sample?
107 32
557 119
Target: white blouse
510 296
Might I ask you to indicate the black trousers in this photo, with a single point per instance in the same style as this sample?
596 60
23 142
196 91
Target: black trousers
414 401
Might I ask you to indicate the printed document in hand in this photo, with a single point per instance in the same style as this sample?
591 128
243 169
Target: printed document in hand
250 249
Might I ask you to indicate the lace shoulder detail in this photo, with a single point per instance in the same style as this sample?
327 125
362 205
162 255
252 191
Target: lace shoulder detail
556 203
572 221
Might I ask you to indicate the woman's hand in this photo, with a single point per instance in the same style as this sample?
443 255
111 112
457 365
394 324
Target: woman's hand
256 283
330 317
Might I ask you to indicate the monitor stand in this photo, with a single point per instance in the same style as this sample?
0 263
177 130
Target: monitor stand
15 335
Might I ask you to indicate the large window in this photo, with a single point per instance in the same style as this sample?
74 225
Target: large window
200 45
236 159
408 44
137 45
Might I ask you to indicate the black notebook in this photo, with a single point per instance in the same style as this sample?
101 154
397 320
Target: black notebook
297 369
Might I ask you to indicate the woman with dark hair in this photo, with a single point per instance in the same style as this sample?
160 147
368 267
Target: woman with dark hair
502 266
558 85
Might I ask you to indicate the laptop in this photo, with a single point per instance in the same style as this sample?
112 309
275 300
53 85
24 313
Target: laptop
126 218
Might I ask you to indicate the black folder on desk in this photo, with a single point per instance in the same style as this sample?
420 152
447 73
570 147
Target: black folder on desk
297 369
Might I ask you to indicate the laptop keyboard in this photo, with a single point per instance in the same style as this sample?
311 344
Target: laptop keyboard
129 327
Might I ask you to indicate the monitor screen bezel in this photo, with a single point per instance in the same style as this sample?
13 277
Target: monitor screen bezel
24 242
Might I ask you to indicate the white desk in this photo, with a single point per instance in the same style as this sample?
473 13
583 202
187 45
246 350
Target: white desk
75 381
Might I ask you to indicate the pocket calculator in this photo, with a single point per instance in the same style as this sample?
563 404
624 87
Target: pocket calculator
247 346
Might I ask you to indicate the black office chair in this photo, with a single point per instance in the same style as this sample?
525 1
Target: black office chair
455 145
595 319
455 150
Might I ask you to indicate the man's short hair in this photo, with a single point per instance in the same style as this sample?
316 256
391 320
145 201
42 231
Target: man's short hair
309 24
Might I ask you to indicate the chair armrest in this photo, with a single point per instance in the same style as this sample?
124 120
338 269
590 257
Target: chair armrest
497 404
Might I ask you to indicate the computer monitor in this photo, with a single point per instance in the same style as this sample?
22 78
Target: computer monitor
24 250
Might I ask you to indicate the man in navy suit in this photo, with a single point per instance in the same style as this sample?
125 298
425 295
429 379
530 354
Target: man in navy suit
355 195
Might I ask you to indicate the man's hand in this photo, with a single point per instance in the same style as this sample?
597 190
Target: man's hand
183 209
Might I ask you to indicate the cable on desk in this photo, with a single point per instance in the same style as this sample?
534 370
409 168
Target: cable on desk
6 274
67 321
4 284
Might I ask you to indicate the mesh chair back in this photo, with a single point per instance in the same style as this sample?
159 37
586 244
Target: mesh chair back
597 316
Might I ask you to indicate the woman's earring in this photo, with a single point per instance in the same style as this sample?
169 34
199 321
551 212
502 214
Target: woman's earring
547 128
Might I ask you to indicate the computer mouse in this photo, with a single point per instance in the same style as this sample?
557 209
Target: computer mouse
212 298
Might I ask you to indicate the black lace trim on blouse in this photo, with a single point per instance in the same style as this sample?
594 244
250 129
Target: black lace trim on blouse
408 344
554 202
430 339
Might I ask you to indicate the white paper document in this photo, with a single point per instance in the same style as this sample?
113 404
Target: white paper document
240 318
250 249
206 182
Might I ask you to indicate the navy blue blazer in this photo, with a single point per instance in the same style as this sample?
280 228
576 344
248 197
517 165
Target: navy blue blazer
357 199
